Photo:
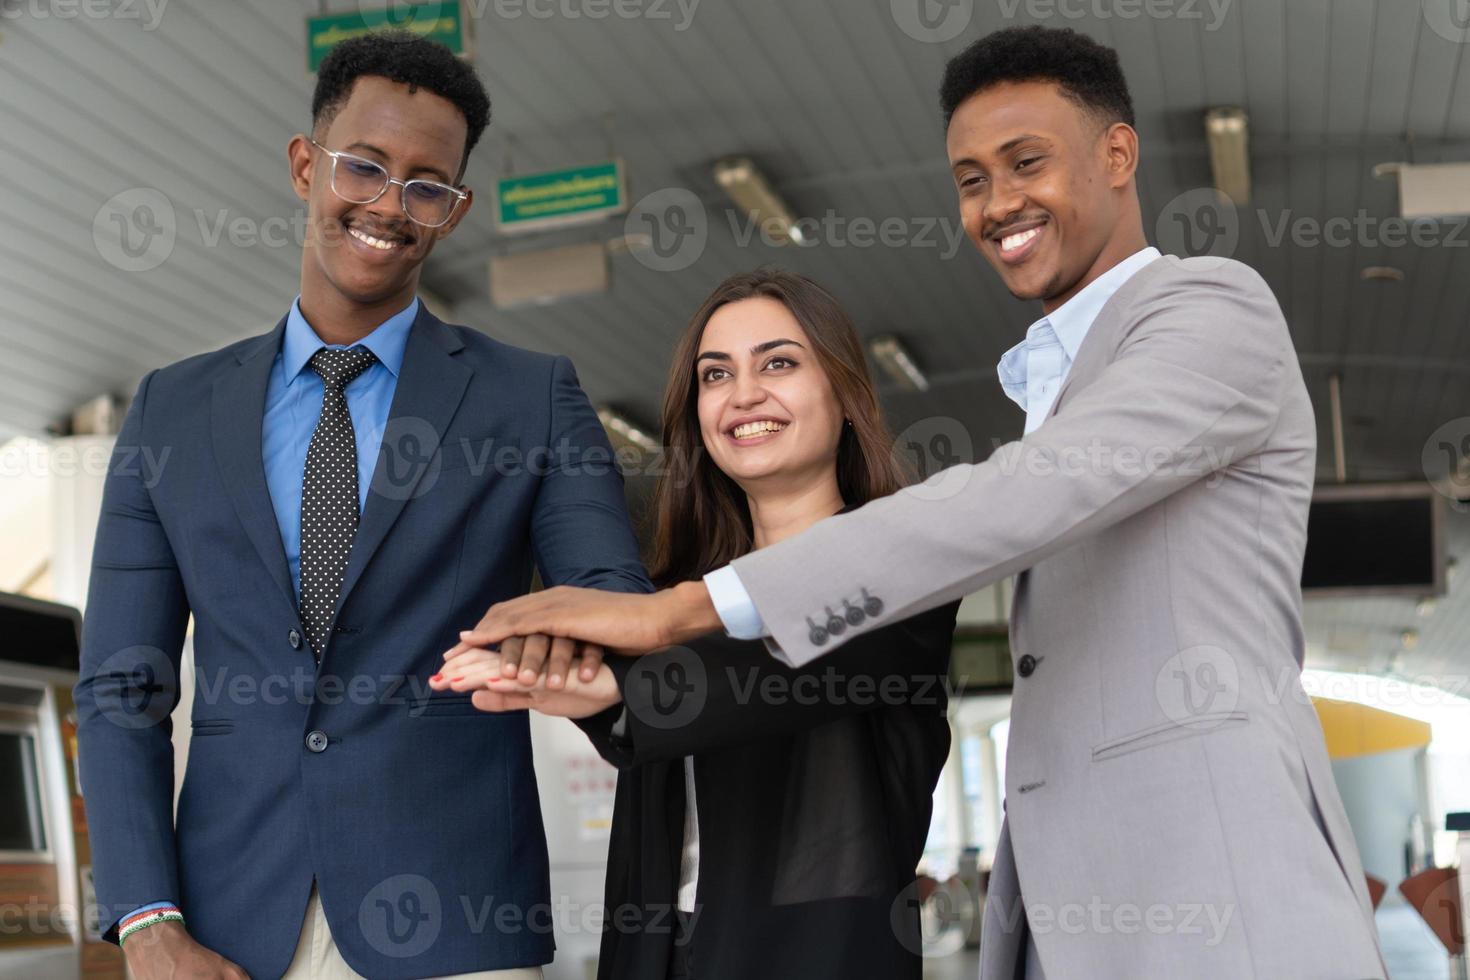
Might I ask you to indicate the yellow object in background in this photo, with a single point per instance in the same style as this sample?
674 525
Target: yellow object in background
1354 729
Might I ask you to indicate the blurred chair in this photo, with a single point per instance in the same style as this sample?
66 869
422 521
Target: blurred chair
1435 895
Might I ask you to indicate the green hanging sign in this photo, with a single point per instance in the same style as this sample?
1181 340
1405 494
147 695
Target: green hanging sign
443 22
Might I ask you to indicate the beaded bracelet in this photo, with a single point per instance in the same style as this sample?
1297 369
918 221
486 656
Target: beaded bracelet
137 923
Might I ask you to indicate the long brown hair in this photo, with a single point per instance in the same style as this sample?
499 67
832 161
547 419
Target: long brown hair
701 519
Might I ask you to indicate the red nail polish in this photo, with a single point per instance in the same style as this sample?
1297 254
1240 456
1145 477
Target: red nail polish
459 678
437 677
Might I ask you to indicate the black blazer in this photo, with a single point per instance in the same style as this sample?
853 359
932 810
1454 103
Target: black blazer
814 789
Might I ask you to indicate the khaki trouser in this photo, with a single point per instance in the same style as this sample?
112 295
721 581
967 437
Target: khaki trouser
317 957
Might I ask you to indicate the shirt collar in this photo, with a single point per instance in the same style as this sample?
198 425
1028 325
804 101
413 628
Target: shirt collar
387 341
1069 323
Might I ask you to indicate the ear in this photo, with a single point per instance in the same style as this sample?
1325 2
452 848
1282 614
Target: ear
299 160
1120 146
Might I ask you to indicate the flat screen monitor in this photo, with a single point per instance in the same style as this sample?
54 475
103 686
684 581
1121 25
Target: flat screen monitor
1375 539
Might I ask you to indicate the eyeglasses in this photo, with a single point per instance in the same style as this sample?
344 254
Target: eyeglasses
358 180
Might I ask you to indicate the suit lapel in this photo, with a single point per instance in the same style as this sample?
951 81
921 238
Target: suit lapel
431 384
236 413
1090 355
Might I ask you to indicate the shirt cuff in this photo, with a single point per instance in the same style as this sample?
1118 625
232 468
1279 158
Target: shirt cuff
737 611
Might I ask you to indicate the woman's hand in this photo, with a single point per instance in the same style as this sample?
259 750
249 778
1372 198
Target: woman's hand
480 671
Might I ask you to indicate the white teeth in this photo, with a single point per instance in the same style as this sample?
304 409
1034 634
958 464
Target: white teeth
1012 242
750 429
377 243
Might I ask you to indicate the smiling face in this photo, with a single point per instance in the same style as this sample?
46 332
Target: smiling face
1046 189
370 254
767 410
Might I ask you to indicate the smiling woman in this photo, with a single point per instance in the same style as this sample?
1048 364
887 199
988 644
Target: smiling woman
767 385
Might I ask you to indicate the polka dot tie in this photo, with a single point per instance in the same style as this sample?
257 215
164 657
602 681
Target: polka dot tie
329 493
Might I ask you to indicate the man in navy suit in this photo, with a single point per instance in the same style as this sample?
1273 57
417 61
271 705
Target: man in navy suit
331 502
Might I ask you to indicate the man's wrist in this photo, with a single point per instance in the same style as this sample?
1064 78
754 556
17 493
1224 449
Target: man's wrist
153 916
689 611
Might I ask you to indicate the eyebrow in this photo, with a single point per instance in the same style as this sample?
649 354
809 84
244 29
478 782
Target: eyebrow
1005 147
715 355
431 171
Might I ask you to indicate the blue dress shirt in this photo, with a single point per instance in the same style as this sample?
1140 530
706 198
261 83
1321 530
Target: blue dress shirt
293 402
1032 373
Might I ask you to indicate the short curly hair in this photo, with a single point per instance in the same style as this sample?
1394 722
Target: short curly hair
401 56
1087 72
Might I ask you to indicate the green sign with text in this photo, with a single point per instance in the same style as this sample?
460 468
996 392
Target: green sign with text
561 197
443 22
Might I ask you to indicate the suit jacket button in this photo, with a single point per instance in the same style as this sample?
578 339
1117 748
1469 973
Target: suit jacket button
317 741
1027 665
294 638
818 634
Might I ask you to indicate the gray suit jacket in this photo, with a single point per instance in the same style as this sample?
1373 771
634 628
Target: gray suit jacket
1175 812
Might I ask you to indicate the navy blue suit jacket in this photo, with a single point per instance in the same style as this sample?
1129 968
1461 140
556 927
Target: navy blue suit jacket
417 815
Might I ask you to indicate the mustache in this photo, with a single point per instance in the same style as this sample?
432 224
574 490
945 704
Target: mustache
1001 230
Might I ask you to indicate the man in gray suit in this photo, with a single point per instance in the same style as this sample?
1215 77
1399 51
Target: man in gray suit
1174 810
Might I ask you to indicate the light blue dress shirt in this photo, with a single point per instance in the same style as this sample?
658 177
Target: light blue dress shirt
1031 373
293 402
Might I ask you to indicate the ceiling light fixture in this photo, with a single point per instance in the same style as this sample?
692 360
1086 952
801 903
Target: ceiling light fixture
748 188
1227 131
893 357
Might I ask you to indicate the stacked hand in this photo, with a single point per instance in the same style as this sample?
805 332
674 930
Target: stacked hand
628 624
492 677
